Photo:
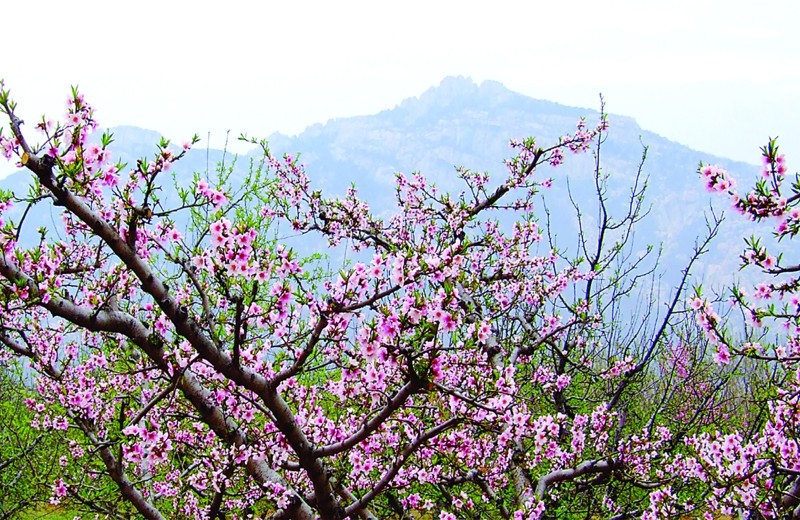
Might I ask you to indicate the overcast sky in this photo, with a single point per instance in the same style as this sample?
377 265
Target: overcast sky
719 76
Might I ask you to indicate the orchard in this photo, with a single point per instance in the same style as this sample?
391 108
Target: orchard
183 358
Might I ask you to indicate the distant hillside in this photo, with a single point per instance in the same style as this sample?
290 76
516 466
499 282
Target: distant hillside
462 123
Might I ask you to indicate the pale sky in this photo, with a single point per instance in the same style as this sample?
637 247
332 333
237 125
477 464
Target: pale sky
719 76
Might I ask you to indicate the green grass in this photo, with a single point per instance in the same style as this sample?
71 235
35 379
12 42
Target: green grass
48 512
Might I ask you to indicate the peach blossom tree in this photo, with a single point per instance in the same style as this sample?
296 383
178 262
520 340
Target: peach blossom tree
200 367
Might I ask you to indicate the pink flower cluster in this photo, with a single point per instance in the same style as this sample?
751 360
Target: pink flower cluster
216 197
717 179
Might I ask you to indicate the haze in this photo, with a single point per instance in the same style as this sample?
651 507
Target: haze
717 76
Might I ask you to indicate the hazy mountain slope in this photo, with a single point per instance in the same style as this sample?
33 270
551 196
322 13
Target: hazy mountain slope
462 123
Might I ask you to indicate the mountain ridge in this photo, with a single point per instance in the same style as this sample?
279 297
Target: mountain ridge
462 123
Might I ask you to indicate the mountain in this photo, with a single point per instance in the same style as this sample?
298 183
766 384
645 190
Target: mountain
461 123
